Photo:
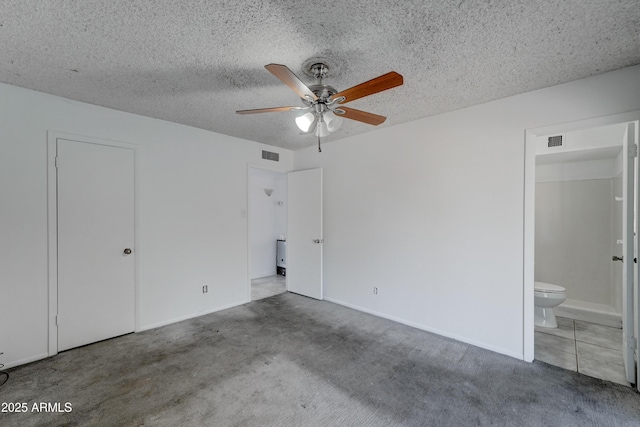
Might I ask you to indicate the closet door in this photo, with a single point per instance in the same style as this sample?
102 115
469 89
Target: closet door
95 188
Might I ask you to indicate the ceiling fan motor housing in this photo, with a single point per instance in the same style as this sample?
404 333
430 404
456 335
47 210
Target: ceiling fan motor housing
323 92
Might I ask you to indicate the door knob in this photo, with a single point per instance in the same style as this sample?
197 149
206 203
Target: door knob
318 241
127 251
617 258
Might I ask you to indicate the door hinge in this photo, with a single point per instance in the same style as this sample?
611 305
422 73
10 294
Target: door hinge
56 320
633 150
57 162
633 343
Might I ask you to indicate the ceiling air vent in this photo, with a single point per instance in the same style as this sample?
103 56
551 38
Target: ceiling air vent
554 141
268 155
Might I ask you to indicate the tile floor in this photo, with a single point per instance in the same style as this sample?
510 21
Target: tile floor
590 349
269 286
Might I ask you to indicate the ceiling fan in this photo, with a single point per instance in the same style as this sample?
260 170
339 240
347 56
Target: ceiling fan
323 103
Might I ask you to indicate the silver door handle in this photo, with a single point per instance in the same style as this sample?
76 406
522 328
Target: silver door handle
318 241
127 251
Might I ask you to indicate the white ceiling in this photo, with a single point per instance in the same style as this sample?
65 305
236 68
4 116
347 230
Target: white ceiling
196 62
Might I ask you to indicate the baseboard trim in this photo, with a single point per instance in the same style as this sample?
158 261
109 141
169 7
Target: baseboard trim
26 360
465 340
41 356
190 316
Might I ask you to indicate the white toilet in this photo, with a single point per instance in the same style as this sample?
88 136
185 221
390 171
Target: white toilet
547 296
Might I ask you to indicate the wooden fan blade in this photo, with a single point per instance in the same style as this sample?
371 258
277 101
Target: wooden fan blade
287 77
384 82
361 116
269 110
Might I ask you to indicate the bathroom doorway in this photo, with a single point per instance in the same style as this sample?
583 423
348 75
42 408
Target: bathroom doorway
267 225
573 229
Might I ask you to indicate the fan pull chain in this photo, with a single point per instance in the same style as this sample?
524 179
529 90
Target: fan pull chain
319 149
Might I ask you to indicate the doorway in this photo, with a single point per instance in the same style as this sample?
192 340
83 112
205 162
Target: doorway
573 189
267 218
91 232
578 231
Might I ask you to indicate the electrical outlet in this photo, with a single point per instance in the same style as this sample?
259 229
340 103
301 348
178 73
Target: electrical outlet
375 290
205 289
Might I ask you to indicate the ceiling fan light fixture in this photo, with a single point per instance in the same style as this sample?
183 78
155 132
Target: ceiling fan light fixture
333 121
305 121
322 129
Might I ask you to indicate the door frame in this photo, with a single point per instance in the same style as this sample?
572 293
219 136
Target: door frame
52 227
269 168
529 209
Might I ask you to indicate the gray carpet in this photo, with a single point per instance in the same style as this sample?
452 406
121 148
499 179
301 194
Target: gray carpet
293 361
269 286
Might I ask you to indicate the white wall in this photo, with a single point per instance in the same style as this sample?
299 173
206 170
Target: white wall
267 219
191 186
431 212
585 154
574 237
583 141
591 169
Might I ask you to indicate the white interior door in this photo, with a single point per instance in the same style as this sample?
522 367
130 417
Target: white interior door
304 233
632 139
95 188
629 202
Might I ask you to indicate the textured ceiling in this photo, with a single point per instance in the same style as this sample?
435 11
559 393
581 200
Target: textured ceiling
196 62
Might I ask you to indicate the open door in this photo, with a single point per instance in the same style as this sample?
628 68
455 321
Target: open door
304 233
630 335
632 135
629 243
